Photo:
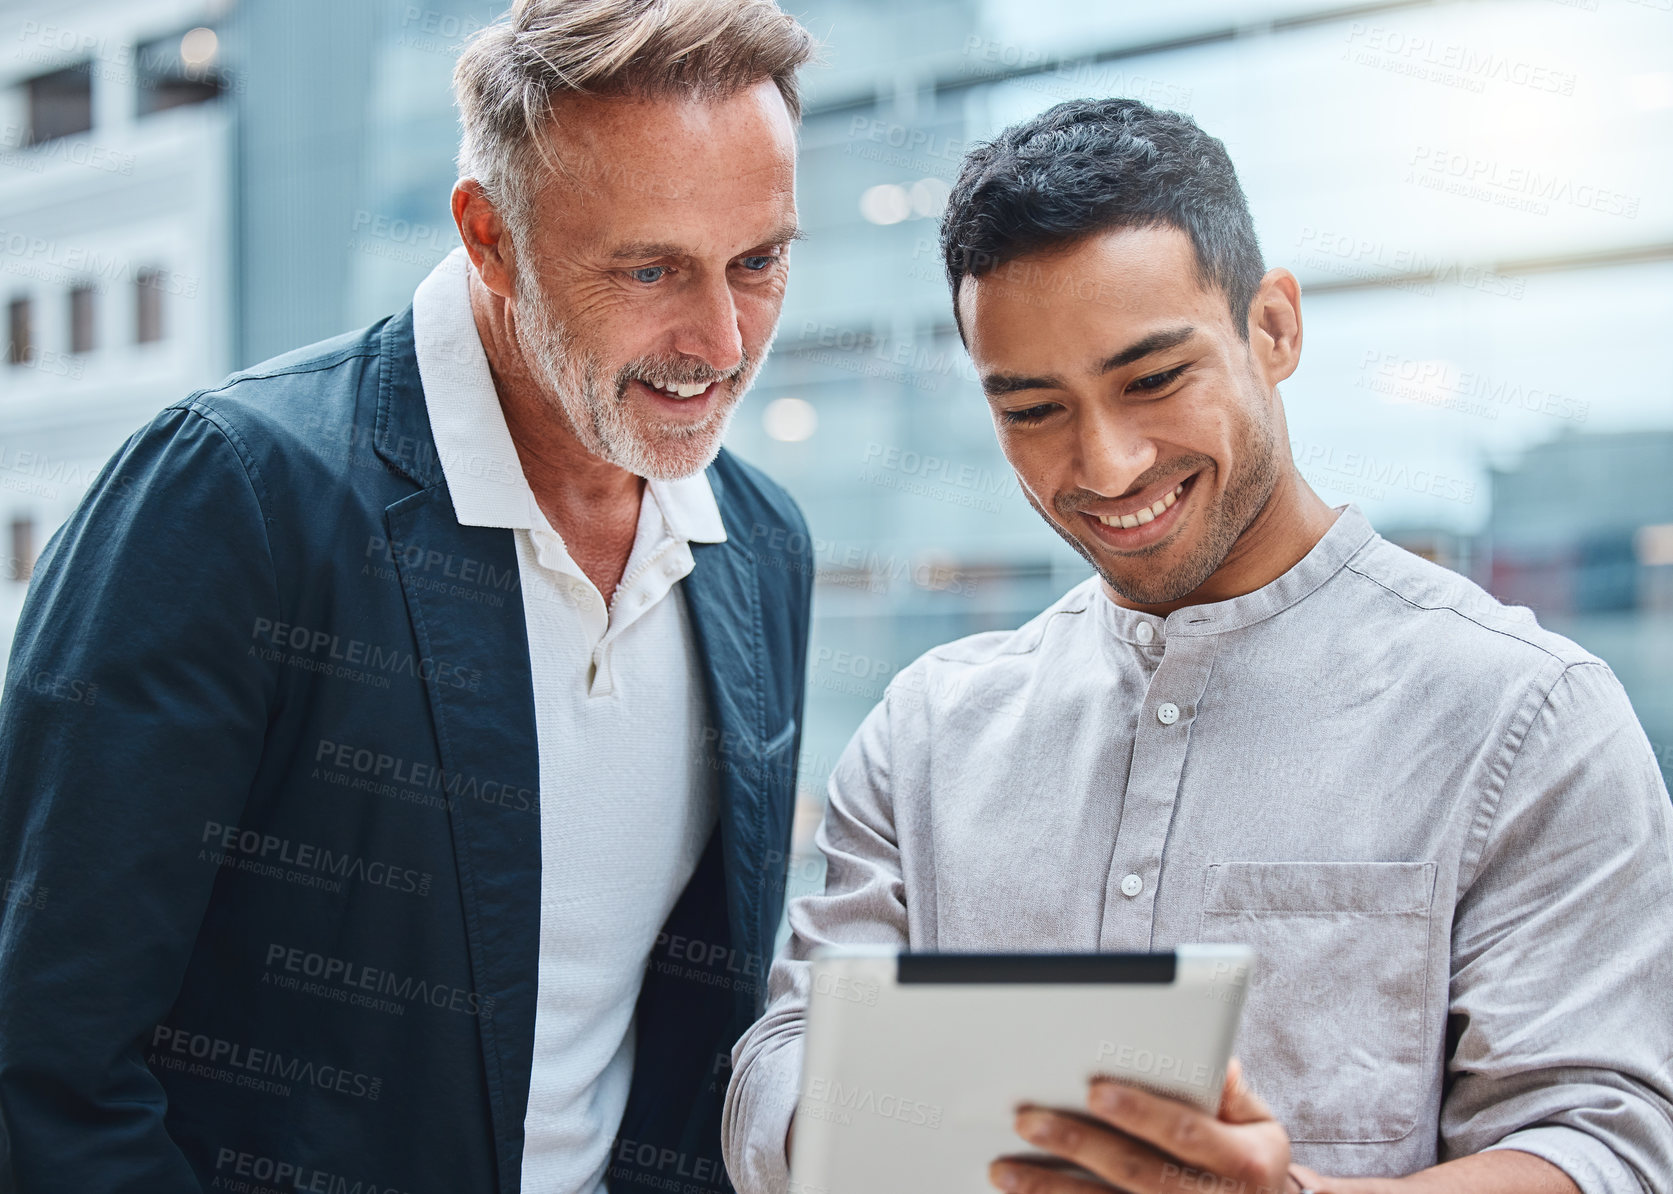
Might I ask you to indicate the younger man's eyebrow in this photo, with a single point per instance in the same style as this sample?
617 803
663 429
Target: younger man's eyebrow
1155 342
997 385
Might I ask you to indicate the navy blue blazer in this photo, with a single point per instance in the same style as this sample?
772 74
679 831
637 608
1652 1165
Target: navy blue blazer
269 823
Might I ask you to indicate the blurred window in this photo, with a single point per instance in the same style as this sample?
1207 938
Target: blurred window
81 318
19 350
60 103
148 294
22 562
179 70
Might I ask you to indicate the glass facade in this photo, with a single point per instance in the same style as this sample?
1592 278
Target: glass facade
1475 197
1472 199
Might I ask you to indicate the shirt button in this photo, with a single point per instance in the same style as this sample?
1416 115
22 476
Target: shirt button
1167 713
1131 886
644 598
1145 632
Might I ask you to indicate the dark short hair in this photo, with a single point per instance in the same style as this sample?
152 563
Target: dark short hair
1090 165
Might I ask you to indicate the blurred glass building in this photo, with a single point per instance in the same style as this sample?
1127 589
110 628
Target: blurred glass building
118 150
1475 195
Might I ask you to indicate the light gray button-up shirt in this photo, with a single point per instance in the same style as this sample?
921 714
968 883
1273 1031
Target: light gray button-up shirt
1440 826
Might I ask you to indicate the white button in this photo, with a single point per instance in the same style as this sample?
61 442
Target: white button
644 597
1145 632
1167 713
1131 886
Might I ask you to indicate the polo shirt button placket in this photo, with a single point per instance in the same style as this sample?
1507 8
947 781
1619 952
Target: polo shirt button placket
601 679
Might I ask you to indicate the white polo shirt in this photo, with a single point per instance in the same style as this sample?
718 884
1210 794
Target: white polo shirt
626 804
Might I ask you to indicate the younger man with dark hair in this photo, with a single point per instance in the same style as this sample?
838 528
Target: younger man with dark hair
1439 825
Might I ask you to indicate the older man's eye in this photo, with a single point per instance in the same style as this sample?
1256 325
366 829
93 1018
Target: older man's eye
648 273
757 263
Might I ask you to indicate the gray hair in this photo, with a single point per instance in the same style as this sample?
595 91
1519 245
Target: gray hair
513 71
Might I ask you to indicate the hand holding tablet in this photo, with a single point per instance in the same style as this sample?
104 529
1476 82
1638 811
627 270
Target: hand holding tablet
1141 1142
920 1069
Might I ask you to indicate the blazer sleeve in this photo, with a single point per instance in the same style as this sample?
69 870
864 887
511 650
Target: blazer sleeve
135 710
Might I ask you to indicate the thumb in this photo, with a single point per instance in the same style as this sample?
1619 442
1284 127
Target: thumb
1239 1104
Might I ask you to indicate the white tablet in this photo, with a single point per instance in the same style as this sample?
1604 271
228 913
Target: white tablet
916 1063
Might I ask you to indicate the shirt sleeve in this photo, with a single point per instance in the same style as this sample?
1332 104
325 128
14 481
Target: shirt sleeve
133 714
863 902
1562 998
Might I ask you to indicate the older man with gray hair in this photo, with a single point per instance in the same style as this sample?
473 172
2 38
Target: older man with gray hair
427 831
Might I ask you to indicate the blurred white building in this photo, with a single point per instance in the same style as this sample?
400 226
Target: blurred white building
1474 194
115 196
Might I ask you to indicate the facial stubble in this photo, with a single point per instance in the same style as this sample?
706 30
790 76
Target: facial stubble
1148 580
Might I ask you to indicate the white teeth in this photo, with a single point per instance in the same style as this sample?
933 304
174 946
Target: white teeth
1154 510
681 391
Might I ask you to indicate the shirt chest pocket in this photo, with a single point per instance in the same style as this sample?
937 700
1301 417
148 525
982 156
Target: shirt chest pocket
1333 1027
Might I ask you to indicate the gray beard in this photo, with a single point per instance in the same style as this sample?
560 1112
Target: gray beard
596 407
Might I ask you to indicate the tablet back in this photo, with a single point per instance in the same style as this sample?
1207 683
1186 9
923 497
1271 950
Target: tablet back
915 1063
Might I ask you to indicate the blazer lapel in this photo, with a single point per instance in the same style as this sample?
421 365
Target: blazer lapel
725 604
465 599
476 663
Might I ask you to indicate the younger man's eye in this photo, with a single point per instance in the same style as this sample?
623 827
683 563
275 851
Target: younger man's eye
1028 414
1157 381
